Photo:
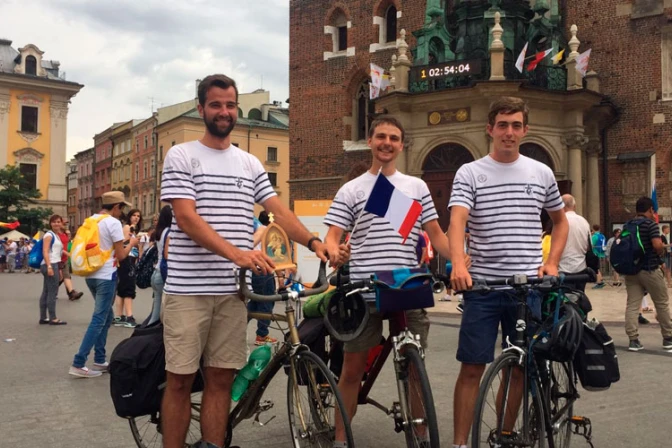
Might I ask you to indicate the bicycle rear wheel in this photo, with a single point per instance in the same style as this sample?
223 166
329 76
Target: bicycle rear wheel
561 396
500 418
313 400
146 429
417 402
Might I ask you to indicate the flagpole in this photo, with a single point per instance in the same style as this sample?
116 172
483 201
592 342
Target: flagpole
364 207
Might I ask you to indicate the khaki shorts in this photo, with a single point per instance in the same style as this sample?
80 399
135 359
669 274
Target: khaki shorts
214 327
418 323
65 268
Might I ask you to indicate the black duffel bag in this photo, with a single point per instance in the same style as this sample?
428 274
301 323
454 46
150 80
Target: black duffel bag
595 362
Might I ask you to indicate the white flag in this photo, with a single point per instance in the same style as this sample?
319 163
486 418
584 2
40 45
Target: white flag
582 62
376 81
521 59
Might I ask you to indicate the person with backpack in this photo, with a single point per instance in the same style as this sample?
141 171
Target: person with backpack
52 250
102 282
126 271
638 254
162 230
598 241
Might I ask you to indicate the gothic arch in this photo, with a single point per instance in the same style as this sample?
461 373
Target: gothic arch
547 147
439 141
337 9
381 7
446 157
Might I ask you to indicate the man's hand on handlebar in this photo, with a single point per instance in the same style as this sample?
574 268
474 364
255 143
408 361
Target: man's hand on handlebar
321 250
338 254
548 269
460 278
255 261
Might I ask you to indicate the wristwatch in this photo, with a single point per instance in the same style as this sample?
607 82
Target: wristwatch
310 243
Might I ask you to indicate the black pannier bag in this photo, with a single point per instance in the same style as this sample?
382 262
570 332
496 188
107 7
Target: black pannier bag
138 373
595 362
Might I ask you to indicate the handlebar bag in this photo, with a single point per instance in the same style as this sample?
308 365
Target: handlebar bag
403 289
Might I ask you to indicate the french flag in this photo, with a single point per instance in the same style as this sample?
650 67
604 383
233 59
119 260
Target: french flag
387 202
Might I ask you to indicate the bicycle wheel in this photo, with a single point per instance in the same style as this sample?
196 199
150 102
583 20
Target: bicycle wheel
313 400
561 397
146 430
499 419
417 403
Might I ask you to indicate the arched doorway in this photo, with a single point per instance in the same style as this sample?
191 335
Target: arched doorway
538 153
438 171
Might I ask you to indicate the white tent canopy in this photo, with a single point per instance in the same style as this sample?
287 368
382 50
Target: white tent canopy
14 235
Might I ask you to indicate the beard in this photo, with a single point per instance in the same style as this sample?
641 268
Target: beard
215 130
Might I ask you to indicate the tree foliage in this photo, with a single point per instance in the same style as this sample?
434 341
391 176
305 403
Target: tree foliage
17 202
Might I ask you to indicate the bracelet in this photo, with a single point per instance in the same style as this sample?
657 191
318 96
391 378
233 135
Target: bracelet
310 243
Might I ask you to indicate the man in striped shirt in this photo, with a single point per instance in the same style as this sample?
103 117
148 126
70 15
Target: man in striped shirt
212 186
500 197
376 246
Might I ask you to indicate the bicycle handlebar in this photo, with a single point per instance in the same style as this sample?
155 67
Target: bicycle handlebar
549 282
319 286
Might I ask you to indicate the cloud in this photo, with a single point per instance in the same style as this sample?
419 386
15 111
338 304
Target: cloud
128 53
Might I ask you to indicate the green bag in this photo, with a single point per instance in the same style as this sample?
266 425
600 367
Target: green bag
317 304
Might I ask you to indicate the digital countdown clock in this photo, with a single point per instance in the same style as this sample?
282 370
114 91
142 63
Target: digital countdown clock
447 69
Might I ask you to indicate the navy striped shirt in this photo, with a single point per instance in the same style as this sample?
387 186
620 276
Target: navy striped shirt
224 184
505 202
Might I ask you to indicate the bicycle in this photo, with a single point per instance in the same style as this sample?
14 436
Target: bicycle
312 393
414 412
549 388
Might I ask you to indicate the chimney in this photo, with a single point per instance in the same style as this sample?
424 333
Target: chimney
198 81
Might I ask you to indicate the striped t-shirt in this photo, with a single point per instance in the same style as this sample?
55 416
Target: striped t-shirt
375 245
505 202
225 184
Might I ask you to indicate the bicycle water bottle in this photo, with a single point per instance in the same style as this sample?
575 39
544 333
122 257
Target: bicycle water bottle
257 362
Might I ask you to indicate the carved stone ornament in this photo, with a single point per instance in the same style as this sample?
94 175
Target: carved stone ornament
594 147
575 141
29 137
28 99
4 107
28 155
58 111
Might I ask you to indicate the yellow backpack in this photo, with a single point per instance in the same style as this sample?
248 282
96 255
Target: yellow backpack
86 256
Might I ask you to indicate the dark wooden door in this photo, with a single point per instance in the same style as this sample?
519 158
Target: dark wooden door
440 185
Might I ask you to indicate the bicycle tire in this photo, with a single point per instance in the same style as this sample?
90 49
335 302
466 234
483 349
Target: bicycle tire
321 395
413 373
146 429
561 385
479 439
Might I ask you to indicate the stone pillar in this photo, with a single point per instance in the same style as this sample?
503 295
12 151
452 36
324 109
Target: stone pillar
497 51
403 64
574 80
593 81
57 191
593 214
575 143
393 73
4 128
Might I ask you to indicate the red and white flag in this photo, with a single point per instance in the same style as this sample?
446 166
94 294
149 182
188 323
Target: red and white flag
537 59
521 59
582 62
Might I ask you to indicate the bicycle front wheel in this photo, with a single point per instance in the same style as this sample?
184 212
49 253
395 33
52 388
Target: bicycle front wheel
505 414
313 400
420 426
561 398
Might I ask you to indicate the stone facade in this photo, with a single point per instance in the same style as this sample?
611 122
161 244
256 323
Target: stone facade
85 185
143 138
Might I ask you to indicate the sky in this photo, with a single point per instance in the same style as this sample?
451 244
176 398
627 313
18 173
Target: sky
126 52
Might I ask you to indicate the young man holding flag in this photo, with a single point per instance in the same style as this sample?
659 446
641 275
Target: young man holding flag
385 211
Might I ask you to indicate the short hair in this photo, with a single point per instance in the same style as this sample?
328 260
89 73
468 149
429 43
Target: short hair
665 226
221 81
55 218
263 218
386 119
644 204
569 201
508 105
596 227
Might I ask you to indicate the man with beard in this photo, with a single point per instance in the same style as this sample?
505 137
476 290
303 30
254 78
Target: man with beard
212 187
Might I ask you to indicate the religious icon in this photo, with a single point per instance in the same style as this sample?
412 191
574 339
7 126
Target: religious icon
275 243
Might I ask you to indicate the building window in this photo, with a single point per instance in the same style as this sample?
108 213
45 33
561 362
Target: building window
128 172
137 171
363 113
152 203
666 67
137 145
144 170
160 153
152 169
172 143
158 179
272 154
391 24
273 178
254 114
29 174
342 38
29 119
31 66
338 29
136 204
145 142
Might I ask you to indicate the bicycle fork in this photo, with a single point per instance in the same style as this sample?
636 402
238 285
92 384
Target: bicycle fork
401 411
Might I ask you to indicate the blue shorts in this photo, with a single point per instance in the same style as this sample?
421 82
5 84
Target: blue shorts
480 324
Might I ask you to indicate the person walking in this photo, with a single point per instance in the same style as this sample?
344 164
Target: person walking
212 186
573 258
161 231
103 284
616 280
64 266
52 249
502 188
12 248
598 242
123 303
651 278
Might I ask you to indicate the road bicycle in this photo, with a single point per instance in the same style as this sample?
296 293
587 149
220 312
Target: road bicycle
524 400
413 412
313 398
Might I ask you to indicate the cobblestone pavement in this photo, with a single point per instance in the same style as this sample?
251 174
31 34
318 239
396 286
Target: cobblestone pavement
40 405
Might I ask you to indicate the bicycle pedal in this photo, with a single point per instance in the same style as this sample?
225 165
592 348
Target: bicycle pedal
579 420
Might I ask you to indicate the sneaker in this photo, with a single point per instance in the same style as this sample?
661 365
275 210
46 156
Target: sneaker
643 320
130 322
74 295
101 367
667 343
635 346
263 340
445 299
119 321
599 285
84 372
460 307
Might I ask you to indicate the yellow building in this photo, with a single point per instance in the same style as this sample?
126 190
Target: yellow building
34 101
266 137
122 158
